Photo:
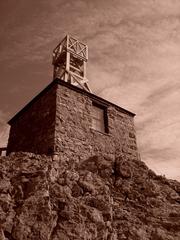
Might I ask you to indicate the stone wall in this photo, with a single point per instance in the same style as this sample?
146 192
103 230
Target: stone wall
33 129
74 136
59 121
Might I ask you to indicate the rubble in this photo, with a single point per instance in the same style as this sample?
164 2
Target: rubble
94 199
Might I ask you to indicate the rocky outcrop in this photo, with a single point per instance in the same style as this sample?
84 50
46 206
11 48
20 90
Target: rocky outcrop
42 198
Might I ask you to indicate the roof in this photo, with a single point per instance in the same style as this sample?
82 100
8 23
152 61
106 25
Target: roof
77 89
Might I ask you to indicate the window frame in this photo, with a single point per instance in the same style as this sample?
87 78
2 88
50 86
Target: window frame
105 116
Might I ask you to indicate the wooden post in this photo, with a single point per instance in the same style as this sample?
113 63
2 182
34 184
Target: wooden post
72 54
67 66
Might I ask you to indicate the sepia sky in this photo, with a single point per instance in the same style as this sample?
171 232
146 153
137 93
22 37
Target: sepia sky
134 61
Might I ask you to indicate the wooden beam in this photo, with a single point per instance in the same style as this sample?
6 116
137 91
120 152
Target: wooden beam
69 60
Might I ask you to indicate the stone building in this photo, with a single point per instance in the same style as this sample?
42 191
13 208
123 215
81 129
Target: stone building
72 122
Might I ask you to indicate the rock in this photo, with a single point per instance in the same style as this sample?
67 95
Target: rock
100 198
160 234
123 168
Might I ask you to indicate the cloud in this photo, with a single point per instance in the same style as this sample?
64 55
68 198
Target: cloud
170 169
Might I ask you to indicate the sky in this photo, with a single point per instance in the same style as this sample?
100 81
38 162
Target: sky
134 58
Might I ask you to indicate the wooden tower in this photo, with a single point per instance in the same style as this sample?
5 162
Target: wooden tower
69 60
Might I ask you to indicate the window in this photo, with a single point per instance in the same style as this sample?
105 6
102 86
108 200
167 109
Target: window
99 118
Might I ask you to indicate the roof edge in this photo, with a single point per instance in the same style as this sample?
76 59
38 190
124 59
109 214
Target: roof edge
77 89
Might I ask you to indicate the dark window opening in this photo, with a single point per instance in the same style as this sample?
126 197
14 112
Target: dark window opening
99 118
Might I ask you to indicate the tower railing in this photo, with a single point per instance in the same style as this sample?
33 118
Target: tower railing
69 60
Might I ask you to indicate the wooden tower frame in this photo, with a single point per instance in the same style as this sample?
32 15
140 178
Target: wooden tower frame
69 60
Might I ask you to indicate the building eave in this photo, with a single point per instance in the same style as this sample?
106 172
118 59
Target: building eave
77 89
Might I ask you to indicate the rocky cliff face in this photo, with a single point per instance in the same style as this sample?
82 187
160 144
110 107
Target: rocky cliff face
43 199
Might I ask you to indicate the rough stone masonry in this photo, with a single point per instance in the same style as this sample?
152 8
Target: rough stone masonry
97 199
59 121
